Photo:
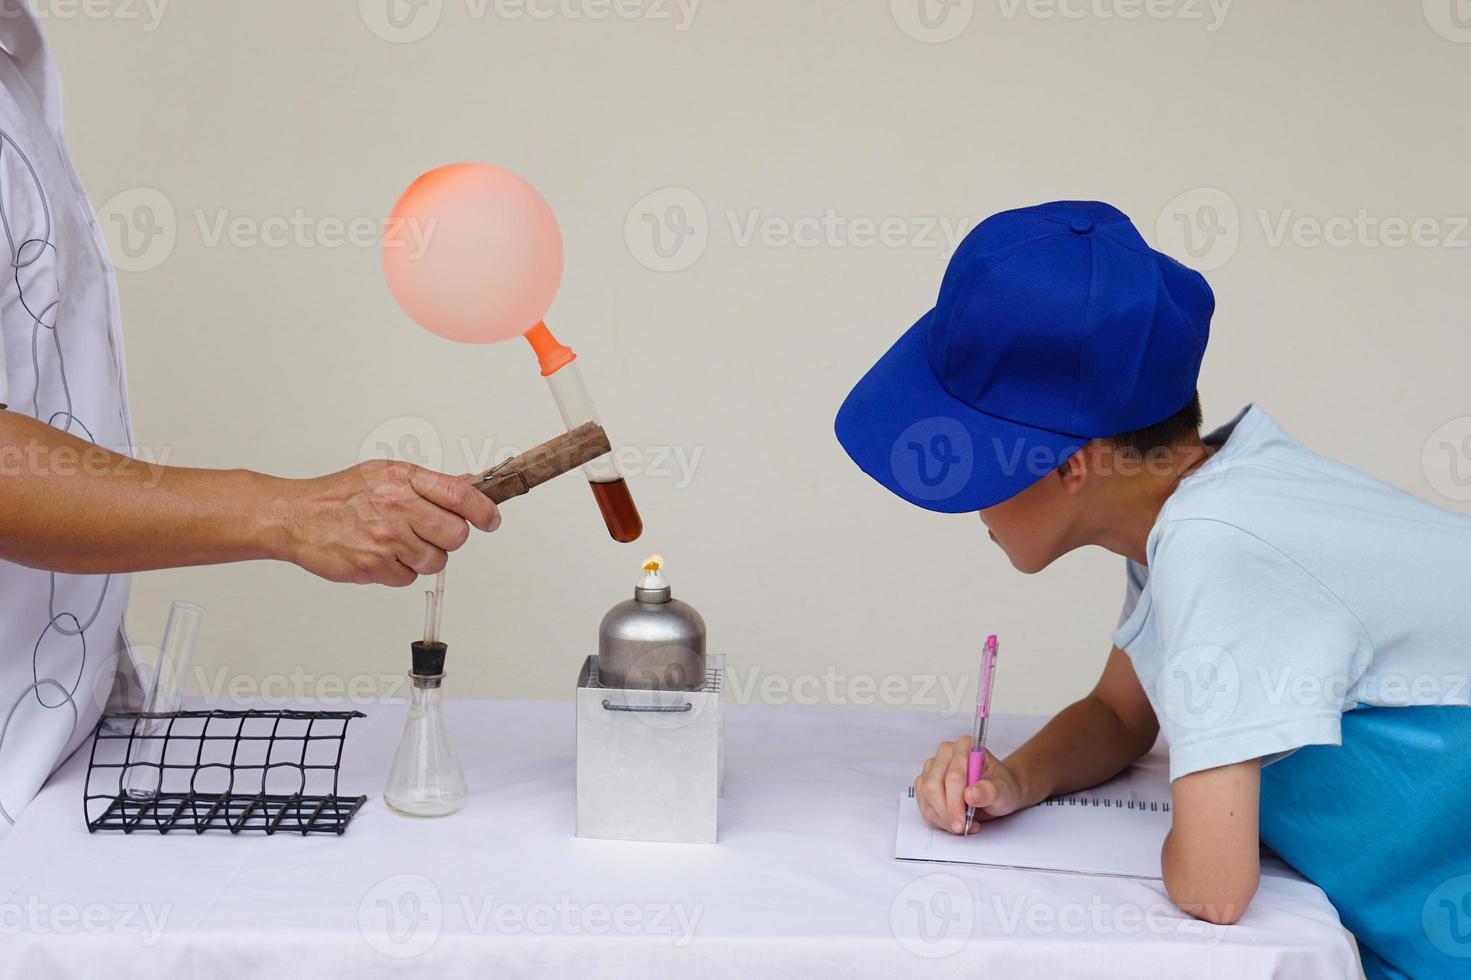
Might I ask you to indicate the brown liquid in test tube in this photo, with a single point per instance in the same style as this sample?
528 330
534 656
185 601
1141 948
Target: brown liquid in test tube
619 512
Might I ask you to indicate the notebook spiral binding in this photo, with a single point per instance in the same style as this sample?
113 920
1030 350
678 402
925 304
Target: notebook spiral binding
1150 806
1144 806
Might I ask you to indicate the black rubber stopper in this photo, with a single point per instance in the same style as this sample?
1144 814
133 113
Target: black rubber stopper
428 658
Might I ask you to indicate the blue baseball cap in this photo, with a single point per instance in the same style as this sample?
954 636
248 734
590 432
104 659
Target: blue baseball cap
1055 325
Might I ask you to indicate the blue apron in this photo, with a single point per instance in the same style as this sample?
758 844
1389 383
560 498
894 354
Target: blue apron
1382 824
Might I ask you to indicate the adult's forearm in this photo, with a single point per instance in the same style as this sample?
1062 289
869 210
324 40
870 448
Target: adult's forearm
1083 745
69 506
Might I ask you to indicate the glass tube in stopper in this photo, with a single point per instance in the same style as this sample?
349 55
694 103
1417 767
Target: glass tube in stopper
425 779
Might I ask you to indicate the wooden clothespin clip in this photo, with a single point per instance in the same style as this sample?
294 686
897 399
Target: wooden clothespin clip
524 473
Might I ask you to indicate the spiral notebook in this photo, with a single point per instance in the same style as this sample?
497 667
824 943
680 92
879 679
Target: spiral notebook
1116 829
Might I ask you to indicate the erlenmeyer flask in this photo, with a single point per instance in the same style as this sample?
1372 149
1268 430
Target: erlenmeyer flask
426 779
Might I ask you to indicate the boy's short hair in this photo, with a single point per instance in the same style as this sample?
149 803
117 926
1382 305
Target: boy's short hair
1164 434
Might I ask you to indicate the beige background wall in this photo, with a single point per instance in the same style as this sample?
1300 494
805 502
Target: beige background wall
229 145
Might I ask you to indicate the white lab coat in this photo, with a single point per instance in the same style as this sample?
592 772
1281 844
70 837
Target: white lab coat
61 639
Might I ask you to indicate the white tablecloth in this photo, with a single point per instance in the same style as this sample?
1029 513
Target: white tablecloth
802 881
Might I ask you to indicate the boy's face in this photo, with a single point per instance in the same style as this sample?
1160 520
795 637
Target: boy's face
1033 527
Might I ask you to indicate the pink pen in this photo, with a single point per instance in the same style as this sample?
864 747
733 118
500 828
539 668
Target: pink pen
976 764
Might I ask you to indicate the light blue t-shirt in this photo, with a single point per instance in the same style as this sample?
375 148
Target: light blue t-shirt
1284 589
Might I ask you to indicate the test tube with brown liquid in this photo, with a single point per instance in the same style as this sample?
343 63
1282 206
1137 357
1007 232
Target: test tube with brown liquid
564 378
619 512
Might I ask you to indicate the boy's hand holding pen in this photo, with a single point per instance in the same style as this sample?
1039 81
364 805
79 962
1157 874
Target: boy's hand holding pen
944 797
962 778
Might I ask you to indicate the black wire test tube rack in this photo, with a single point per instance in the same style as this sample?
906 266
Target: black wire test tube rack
245 771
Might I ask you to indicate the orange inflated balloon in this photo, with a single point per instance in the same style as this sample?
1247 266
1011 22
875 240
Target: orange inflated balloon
473 253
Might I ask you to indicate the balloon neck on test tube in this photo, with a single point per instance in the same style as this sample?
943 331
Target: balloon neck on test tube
551 354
